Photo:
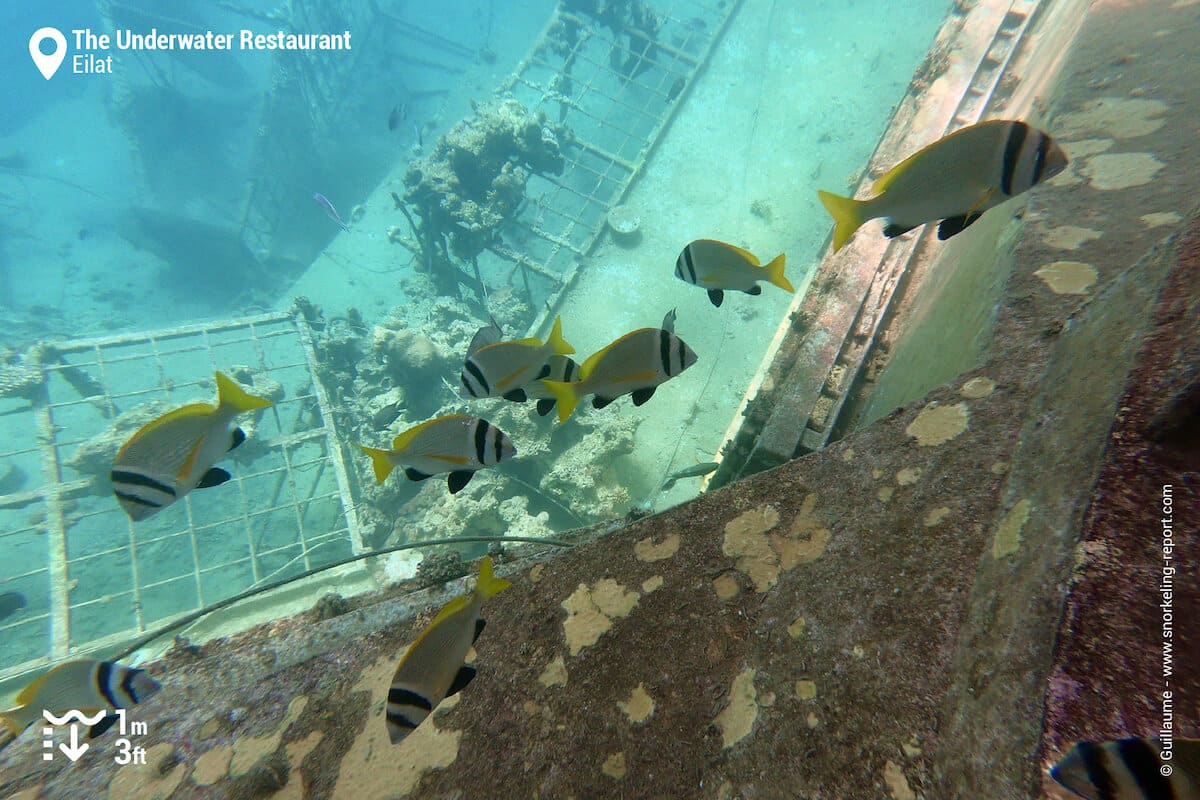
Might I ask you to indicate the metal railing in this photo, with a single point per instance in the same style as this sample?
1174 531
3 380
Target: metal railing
92 579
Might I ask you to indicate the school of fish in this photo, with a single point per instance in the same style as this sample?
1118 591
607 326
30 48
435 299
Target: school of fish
953 181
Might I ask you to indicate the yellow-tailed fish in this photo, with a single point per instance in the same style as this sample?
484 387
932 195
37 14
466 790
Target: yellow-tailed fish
85 686
458 444
954 180
559 368
1131 769
717 267
501 369
634 364
175 453
433 667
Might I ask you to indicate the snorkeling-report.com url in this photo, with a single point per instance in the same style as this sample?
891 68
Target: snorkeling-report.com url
1166 591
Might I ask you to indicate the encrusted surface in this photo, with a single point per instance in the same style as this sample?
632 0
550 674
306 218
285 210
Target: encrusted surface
1107 683
875 620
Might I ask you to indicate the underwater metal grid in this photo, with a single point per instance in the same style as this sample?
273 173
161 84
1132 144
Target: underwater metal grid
94 580
617 91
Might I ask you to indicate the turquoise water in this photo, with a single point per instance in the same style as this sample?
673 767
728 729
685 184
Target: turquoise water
178 191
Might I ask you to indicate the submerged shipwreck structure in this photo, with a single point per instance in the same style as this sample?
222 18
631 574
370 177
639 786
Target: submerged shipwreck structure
473 184
928 563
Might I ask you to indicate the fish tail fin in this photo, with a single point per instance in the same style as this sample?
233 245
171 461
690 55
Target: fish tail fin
380 460
488 584
565 394
775 273
557 341
231 395
847 216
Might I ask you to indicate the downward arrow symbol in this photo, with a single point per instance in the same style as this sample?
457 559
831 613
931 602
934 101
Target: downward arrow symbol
75 749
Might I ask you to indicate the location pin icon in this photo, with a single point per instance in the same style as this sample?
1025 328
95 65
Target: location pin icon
48 64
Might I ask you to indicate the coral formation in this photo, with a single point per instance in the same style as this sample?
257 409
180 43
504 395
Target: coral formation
411 347
762 209
17 377
561 477
440 567
589 471
474 181
407 353
331 605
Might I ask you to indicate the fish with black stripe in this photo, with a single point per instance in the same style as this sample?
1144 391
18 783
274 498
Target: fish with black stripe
434 666
502 369
635 364
87 686
488 334
1131 769
458 444
954 180
175 453
560 368
718 267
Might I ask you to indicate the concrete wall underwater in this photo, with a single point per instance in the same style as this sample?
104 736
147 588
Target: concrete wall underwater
937 605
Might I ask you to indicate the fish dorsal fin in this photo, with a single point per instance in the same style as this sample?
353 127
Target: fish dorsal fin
486 585
448 610
77 671
746 254
592 361
453 607
598 356
489 334
880 186
528 342
29 692
188 412
405 439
